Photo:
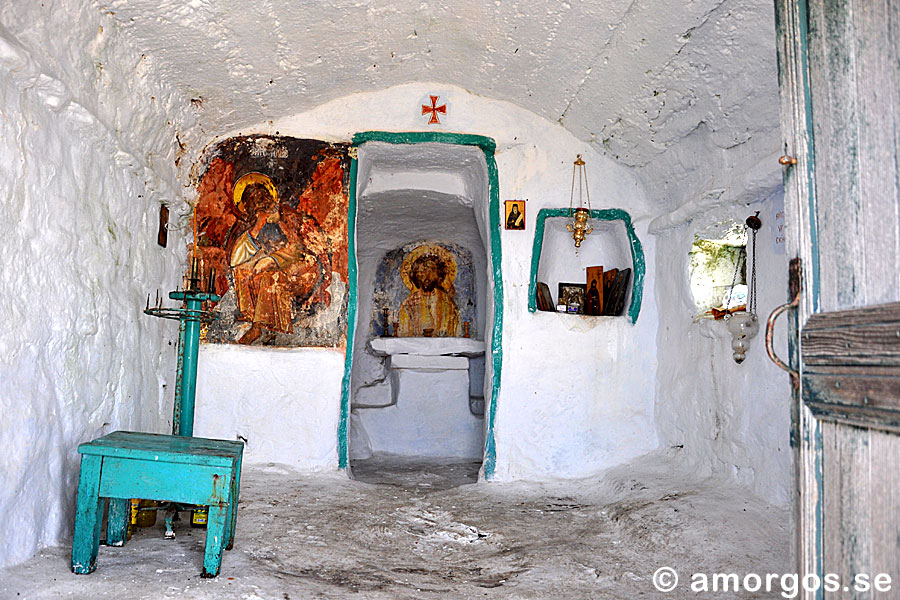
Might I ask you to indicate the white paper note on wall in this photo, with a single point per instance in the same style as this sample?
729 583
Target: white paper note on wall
777 219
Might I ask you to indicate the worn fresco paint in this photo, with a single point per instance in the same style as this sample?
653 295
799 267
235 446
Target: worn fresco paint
271 219
397 288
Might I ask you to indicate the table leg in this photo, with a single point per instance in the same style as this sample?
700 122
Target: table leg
233 507
88 514
215 540
117 523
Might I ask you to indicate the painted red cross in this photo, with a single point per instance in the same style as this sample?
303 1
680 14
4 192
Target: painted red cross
434 109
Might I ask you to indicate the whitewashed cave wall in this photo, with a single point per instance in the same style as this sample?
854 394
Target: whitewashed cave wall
698 120
87 151
710 151
577 395
721 417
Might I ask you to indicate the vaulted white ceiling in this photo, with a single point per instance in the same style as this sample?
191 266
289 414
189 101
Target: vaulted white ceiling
634 77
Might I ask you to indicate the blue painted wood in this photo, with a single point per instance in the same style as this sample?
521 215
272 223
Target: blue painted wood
232 507
216 535
165 481
343 445
88 514
165 448
117 523
188 356
126 464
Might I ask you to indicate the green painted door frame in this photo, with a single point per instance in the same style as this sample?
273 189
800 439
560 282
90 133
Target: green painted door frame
487 146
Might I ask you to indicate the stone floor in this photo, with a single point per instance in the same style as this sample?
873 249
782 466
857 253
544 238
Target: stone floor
410 530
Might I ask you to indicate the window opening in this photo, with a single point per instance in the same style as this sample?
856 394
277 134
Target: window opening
718 270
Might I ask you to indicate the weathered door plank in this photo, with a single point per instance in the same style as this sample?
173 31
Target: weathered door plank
851 366
878 101
833 91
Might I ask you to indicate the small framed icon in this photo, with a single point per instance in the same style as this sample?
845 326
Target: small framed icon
515 214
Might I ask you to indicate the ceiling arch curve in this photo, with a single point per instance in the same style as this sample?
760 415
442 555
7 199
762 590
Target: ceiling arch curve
632 77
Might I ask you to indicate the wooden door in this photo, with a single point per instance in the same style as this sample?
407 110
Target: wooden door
839 70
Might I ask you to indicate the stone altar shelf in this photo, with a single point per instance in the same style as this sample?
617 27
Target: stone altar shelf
426 346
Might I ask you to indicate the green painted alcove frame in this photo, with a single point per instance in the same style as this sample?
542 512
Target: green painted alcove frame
639 266
488 147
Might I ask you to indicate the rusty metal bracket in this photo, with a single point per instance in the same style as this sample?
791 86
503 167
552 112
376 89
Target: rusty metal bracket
794 285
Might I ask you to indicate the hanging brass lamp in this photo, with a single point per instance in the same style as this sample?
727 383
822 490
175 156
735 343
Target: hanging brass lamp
579 217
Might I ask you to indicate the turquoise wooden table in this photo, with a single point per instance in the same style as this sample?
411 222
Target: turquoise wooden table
188 470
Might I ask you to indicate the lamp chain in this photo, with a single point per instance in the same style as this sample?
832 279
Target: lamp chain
751 284
572 193
737 269
751 292
587 188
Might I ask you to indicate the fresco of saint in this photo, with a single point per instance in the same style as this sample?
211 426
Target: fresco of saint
269 261
271 223
430 308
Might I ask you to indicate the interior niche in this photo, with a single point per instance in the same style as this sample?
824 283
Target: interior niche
417 382
613 244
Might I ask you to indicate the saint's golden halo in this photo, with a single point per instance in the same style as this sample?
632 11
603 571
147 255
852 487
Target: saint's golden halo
435 250
249 179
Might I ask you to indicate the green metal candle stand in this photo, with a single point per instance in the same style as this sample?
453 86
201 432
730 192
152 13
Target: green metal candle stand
190 315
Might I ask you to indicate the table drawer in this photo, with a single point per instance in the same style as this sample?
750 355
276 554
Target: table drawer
176 482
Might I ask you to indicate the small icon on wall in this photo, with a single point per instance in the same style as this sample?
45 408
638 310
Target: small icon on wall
433 110
515 214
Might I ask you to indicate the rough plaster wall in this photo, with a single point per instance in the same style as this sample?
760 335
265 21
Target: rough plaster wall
86 157
590 404
719 416
267 62
705 128
708 165
431 417
261 387
704 132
